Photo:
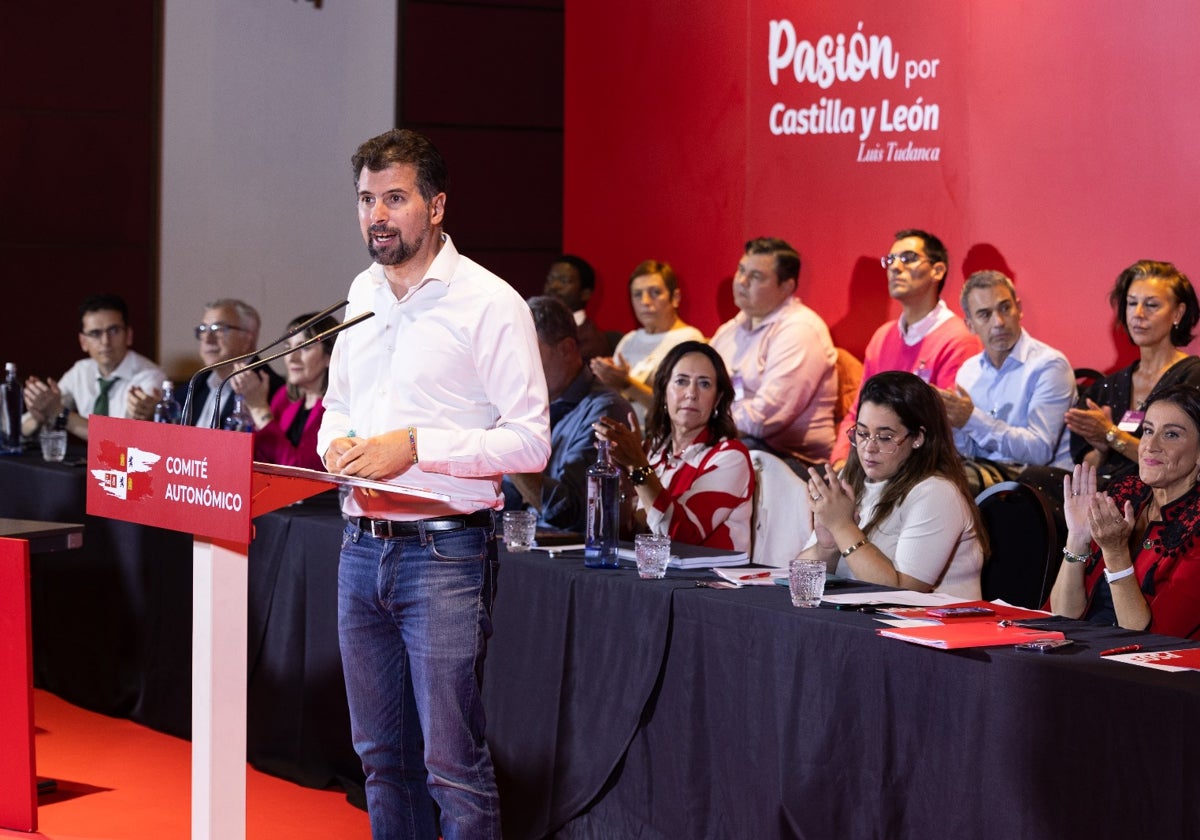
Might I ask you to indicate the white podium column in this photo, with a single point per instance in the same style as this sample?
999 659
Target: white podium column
219 638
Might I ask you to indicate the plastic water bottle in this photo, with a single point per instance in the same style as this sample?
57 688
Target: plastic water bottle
14 406
603 511
168 410
239 419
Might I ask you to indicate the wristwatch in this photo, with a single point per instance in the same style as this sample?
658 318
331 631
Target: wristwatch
1114 439
640 475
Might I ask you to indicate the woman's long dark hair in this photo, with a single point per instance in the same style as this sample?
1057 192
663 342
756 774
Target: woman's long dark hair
720 423
920 409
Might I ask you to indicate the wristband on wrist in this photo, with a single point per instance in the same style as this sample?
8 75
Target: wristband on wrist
1072 557
412 442
1114 576
848 551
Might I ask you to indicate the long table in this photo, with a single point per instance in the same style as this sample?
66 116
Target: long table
619 707
655 709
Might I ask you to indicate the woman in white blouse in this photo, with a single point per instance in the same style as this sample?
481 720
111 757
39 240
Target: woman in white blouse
900 514
654 294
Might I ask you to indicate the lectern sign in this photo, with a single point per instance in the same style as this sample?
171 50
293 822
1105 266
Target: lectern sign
177 477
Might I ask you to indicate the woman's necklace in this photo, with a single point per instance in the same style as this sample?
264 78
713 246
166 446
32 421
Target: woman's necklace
1152 515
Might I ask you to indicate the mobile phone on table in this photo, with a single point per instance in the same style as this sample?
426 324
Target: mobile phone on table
959 612
1043 645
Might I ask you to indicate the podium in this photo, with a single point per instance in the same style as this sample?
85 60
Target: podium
18 782
205 482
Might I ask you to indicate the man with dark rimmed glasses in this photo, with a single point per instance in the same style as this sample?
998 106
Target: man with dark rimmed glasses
113 380
928 339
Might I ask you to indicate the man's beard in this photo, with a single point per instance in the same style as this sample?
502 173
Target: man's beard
399 251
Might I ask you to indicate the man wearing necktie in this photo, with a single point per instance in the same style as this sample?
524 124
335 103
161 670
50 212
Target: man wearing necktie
578 399
113 380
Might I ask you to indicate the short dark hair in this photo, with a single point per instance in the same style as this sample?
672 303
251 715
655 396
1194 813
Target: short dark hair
987 279
1182 394
108 300
1180 286
935 250
787 258
662 269
658 421
587 274
400 146
552 319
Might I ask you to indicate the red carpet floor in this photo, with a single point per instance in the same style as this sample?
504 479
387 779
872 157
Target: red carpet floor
121 781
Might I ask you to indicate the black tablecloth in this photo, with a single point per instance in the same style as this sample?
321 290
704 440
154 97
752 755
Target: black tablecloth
770 721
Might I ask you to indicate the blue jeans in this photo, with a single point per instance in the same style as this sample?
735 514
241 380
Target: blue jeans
414 615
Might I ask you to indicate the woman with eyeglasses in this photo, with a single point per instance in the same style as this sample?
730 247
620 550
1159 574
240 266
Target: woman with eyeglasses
900 514
286 425
1156 307
693 478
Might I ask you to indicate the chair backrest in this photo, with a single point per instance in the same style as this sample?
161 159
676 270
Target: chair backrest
1025 544
849 375
782 517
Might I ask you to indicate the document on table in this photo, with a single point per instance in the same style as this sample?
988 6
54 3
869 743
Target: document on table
896 596
751 576
1161 660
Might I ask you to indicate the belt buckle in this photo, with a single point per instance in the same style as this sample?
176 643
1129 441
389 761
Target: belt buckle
381 529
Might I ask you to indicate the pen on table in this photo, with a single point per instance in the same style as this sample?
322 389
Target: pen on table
755 576
1122 649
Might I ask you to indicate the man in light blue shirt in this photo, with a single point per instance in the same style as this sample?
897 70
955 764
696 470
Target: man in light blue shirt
1009 401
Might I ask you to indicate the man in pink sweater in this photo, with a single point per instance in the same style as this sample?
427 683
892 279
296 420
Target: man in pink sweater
927 339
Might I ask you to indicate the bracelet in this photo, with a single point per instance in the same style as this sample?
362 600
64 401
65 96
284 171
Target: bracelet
1072 557
853 548
412 442
1113 576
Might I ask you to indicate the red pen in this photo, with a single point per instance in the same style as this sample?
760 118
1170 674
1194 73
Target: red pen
755 576
1124 649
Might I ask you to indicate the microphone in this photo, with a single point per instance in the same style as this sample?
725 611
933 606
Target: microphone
308 342
185 417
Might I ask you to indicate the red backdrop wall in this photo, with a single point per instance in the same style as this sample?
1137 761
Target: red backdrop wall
1064 138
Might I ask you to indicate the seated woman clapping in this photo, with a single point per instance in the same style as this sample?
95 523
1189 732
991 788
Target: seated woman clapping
285 427
1132 556
694 480
900 513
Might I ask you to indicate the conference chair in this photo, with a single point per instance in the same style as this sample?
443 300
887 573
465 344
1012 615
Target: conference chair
782 517
1026 544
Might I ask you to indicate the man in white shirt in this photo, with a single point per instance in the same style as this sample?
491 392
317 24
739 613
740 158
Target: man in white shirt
443 390
1009 401
113 380
780 357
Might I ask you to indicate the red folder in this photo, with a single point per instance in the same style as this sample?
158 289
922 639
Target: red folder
999 611
968 634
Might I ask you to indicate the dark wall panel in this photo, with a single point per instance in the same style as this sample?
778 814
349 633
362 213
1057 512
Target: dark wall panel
79 128
484 81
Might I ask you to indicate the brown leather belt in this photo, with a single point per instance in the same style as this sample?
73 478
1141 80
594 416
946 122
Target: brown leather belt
390 529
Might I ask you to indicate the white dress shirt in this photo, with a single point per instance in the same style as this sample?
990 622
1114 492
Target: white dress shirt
457 358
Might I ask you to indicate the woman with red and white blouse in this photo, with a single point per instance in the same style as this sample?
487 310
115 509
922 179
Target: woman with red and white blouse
693 477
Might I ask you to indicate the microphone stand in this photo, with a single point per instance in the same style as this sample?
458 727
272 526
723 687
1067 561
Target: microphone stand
185 418
308 342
